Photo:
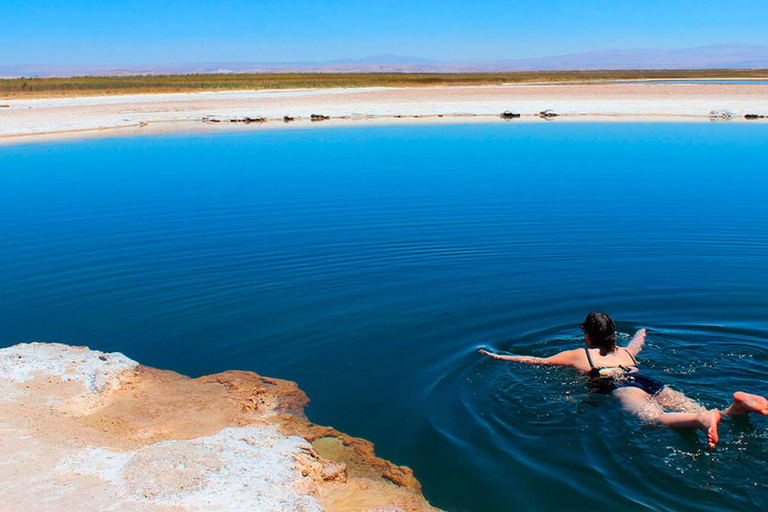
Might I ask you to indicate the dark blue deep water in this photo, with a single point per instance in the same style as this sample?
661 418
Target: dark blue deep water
368 264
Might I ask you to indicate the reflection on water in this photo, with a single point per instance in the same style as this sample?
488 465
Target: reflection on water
369 264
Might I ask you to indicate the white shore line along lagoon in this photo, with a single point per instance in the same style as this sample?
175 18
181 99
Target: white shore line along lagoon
589 101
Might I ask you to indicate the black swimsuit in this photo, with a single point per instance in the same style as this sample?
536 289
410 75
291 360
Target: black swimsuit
621 377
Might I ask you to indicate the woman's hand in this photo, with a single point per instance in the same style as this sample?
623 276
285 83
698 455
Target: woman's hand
510 357
485 352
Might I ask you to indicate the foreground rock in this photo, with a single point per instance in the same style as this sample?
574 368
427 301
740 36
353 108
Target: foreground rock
84 430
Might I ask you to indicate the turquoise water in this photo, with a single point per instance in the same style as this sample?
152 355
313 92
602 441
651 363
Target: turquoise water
368 264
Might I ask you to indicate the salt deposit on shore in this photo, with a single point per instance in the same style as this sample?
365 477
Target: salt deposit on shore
84 430
183 111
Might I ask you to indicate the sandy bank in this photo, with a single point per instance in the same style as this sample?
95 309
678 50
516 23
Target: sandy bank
162 112
84 430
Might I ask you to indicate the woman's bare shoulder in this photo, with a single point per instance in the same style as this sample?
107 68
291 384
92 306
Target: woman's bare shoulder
574 358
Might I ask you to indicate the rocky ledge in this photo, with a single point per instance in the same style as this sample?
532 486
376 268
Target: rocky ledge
85 430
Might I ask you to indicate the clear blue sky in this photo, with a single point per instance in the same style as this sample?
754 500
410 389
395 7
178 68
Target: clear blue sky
158 31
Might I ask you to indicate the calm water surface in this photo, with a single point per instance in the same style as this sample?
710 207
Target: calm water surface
368 264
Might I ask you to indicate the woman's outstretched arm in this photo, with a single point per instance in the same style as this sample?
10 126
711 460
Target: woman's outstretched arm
637 343
566 358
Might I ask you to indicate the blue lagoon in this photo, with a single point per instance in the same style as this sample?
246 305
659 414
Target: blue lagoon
369 264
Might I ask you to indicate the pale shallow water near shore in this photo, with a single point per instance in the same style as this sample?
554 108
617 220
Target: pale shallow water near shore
368 264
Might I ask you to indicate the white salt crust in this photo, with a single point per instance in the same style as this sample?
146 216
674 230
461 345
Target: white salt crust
98 372
238 469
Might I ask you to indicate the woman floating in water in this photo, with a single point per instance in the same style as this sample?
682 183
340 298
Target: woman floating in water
614 370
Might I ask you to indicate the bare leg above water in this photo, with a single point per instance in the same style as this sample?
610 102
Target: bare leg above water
744 403
706 421
641 404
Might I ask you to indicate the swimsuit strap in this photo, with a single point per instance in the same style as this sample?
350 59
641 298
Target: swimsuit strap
593 367
589 358
630 355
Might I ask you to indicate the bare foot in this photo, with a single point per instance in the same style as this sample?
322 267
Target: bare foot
744 403
709 420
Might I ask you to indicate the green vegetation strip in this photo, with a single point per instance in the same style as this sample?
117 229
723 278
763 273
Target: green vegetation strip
102 85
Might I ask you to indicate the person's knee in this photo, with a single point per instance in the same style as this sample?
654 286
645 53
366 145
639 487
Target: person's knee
650 412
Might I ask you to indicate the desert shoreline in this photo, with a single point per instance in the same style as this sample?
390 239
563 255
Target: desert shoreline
29 120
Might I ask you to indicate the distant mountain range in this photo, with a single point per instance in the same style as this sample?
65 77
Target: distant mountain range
731 56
